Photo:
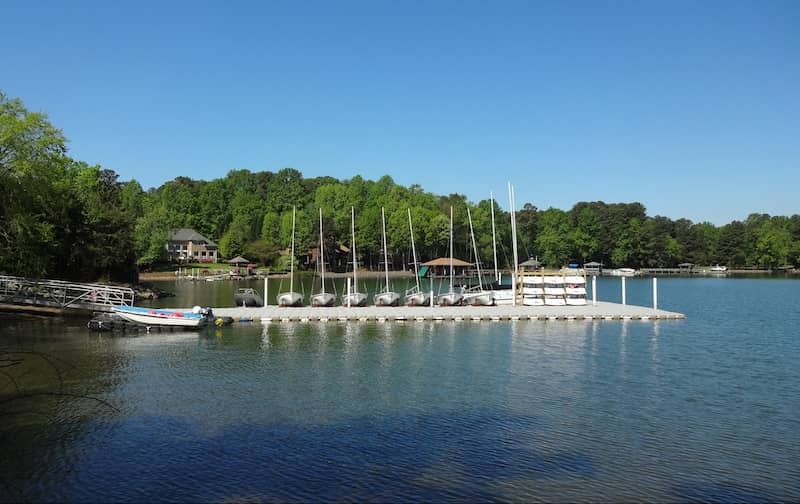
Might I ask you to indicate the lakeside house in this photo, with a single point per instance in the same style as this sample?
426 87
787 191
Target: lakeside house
186 244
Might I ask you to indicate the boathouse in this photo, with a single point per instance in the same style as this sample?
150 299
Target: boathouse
441 267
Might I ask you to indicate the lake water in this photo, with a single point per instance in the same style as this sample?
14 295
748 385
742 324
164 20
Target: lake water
701 409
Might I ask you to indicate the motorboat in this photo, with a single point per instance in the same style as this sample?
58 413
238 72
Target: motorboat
719 269
626 272
162 317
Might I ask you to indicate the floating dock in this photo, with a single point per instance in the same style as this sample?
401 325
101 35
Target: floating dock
599 311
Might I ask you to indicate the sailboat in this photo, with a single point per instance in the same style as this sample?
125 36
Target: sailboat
477 295
354 298
322 298
451 297
385 297
503 292
415 296
291 298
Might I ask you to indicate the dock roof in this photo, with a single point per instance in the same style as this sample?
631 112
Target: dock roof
445 261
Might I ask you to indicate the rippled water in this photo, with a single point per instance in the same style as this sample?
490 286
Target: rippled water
703 409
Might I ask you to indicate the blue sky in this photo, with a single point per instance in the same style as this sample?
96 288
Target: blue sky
691 108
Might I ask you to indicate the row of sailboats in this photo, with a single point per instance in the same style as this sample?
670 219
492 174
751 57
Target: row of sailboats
414 296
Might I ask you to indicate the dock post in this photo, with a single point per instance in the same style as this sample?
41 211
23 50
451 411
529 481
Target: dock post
655 293
594 290
348 292
266 289
623 291
431 298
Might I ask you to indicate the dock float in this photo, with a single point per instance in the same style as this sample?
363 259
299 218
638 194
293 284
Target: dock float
600 311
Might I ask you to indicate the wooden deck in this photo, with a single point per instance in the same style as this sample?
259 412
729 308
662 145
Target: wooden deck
601 311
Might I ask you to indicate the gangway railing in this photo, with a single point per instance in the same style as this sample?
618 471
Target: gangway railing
61 294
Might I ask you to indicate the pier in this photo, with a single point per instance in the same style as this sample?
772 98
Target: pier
598 311
56 296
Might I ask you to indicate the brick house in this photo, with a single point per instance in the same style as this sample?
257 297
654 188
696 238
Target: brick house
189 245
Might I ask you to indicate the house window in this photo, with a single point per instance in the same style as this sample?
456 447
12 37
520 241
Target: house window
203 253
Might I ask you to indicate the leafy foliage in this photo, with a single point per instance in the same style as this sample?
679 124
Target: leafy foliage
62 218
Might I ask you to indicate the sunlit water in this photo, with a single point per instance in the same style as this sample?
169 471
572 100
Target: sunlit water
703 409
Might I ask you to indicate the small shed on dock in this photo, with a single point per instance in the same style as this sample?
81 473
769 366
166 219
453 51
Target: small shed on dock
238 262
531 264
593 268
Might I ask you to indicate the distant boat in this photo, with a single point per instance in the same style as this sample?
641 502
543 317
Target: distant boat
247 297
322 298
719 269
291 298
626 272
451 297
161 317
354 298
415 296
385 297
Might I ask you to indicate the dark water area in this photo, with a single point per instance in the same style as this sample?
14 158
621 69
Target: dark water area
701 409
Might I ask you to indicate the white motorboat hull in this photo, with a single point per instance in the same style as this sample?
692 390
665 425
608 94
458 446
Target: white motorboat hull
290 299
159 317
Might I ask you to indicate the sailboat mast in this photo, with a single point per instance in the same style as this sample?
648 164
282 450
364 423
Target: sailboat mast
385 252
291 257
475 249
494 239
413 249
321 252
451 249
353 231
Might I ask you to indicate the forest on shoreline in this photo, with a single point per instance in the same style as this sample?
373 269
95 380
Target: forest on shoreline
61 218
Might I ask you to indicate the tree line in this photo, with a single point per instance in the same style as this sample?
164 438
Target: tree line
65 219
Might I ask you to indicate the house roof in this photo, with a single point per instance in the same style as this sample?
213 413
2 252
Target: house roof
188 234
445 261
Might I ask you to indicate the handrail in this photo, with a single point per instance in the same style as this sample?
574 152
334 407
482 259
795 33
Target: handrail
62 294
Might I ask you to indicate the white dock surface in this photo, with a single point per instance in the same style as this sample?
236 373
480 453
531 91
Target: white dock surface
601 311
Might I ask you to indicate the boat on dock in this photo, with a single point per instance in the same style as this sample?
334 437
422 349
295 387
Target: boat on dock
575 289
476 295
451 297
385 297
161 317
291 298
415 296
322 298
247 297
354 298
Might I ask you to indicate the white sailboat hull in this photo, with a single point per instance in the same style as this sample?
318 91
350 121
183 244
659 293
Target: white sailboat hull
418 299
323 299
449 299
482 298
387 299
354 299
290 299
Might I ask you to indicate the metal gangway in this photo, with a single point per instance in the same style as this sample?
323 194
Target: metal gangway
62 295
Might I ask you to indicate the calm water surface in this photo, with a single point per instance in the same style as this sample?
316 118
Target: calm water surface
703 409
